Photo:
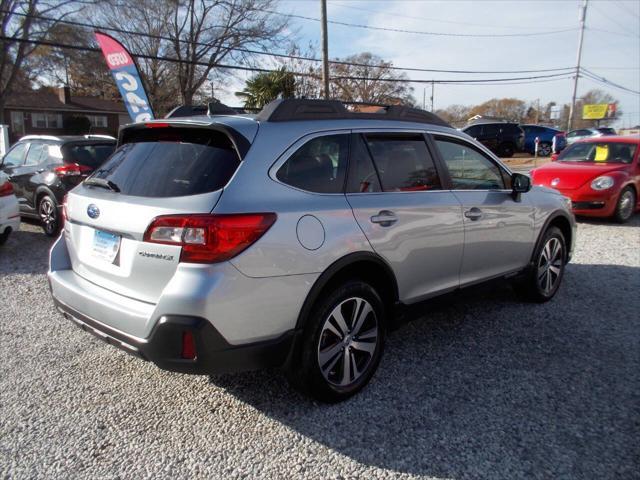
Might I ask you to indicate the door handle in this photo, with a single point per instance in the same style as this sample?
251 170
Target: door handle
473 214
385 218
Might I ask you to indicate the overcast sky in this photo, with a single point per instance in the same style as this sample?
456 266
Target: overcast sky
611 44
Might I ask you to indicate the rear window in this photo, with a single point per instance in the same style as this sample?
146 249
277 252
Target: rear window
89 155
171 162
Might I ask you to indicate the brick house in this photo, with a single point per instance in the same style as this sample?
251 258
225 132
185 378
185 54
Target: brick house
44 113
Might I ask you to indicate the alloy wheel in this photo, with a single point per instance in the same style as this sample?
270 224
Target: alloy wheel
48 215
626 204
550 265
348 341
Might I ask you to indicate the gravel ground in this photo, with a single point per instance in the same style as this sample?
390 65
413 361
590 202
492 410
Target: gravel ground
482 387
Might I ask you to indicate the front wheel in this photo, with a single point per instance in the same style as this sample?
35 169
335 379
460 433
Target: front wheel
342 343
625 206
4 236
49 216
542 279
506 150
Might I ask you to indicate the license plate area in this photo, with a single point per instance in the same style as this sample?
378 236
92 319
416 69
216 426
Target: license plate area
106 246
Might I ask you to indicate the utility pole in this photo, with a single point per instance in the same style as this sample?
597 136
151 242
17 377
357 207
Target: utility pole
424 98
583 16
432 87
325 48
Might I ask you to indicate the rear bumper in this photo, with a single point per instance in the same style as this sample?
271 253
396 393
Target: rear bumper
163 347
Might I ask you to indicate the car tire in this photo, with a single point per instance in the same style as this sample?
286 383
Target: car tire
49 216
544 149
625 206
4 236
506 150
341 344
542 279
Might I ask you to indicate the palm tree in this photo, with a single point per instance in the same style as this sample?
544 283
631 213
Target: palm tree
265 87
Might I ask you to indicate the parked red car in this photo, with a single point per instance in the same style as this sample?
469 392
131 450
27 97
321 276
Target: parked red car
601 175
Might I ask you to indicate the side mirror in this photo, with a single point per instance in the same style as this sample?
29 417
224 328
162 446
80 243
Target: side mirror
520 184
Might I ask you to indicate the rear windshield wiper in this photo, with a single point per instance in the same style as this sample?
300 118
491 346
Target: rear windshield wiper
101 182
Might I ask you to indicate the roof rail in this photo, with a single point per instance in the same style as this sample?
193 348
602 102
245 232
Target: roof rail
40 137
96 135
286 110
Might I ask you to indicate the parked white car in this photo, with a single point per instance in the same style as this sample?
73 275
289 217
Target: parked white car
9 212
575 135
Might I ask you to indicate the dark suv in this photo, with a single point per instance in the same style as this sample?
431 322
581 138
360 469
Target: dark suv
502 138
43 168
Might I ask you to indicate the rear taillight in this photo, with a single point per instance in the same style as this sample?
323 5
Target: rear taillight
71 169
6 189
206 238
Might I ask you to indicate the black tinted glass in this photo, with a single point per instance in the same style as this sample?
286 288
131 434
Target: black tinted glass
362 175
88 155
171 162
490 129
403 163
318 166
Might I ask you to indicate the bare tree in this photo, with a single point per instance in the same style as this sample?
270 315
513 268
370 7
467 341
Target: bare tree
18 25
206 33
371 80
152 20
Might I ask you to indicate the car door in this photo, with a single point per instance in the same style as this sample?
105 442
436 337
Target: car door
12 163
395 192
31 172
498 227
21 176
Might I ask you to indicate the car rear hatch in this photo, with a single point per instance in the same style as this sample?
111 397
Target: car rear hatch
158 169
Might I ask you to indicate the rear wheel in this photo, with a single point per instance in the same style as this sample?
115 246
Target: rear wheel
506 150
544 149
342 343
49 216
4 236
542 279
625 206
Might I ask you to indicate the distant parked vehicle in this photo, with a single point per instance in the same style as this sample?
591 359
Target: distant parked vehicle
9 213
575 135
43 168
545 136
600 175
502 138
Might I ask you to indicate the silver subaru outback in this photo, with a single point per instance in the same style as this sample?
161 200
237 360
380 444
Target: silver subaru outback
292 238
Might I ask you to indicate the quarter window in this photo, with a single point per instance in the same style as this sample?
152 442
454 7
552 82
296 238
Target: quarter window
468 168
318 166
403 162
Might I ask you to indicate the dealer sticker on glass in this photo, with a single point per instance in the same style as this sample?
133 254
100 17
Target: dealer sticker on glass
106 245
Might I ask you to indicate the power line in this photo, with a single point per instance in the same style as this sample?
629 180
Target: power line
419 32
280 55
598 78
613 20
301 74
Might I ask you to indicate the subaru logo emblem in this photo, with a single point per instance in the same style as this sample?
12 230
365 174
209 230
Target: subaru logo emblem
93 211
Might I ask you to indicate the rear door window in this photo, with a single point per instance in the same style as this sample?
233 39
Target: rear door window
363 177
36 154
171 162
403 162
318 166
88 155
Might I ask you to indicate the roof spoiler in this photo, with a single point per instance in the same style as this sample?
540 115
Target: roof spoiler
213 108
286 110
